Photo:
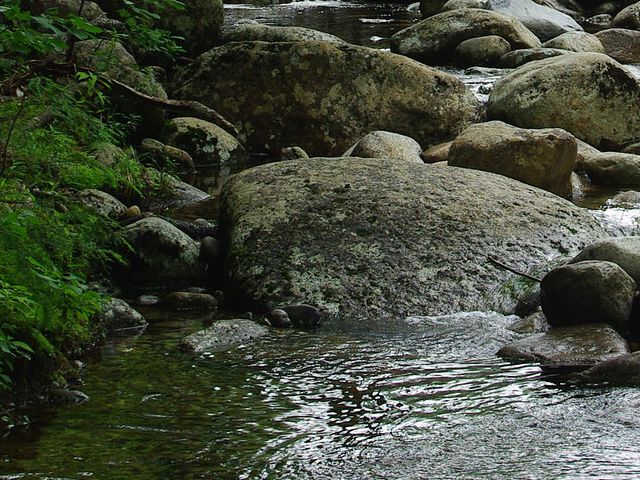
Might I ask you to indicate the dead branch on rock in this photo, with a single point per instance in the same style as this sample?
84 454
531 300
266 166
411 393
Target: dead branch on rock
513 270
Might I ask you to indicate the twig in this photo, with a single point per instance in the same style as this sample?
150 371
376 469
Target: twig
513 270
5 153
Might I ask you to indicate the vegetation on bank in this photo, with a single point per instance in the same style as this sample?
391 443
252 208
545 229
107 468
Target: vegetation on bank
54 120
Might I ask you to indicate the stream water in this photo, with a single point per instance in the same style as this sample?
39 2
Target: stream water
418 398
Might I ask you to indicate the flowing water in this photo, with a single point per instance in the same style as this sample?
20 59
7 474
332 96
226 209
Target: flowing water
417 398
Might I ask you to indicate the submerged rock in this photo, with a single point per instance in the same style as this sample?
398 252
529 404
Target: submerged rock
588 292
621 371
371 237
578 346
587 94
434 40
542 158
223 335
324 97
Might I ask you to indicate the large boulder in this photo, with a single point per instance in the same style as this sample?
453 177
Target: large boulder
613 169
162 256
623 251
434 40
376 237
543 21
588 292
621 44
578 347
252 31
542 158
324 97
576 42
588 94
628 17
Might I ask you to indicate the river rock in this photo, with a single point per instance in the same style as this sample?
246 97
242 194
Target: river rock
620 371
429 8
223 335
173 193
628 17
534 323
293 153
303 316
252 31
588 292
630 197
632 148
117 315
613 168
190 301
372 237
162 255
576 42
208 144
520 57
577 346
437 153
542 158
621 44
482 51
102 203
623 251
277 101
598 22
381 144
434 40
199 23
588 94
543 21
162 153
585 151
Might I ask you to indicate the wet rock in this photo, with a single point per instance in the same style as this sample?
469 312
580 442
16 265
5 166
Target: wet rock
199 23
223 335
543 21
621 44
630 197
436 153
520 57
580 184
161 152
366 237
147 300
534 323
613 168
633 148
119 315
578 346
628 17
434 40
190 301
576 42
602 96
278 102
102 203
588 292
293 153
542 158
252 31
303 316
620 371
163 255
429 8
623 251
207 143
483 51
381 144
278 318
